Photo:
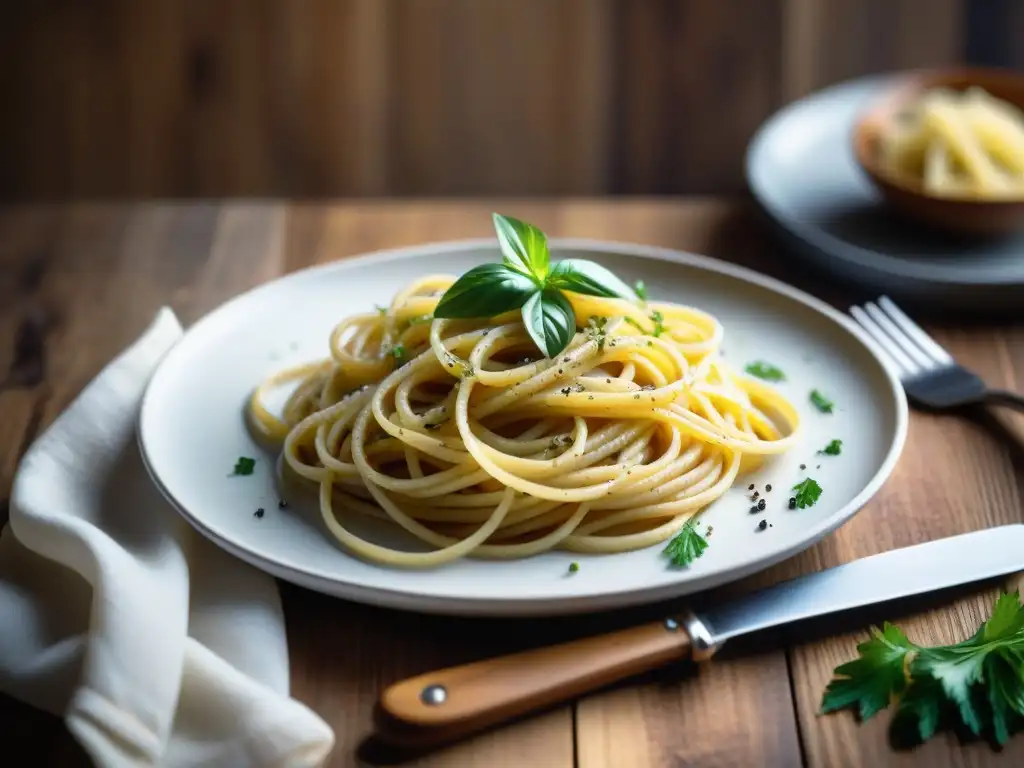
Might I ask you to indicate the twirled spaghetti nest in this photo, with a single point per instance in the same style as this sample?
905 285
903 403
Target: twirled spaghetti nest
465 436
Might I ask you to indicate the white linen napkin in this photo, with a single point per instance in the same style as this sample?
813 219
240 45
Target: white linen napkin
157 647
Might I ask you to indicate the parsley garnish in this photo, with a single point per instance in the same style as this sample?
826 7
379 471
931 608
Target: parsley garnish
244 466
596 331
807 492
821 402
399 353
686 547
980 679
765 371
641 289
380 309
635 324
574 567
659 327
834 448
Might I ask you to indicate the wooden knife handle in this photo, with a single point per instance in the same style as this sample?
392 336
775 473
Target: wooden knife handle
452 703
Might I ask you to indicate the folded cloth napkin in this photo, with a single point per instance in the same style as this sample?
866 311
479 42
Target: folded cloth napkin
157 647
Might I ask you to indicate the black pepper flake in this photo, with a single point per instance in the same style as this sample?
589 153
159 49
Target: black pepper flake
756 494
753 510
565 359
761 505
282 504
636 397
590 397
750 487
768 488
561 370
259 512
818 467
803 466
607 381
792 502
762 525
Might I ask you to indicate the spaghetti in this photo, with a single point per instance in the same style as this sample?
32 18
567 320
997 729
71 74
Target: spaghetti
463 434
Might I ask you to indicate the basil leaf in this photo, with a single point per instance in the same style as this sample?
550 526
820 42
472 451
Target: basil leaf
587 277
550 321
486 291
524 247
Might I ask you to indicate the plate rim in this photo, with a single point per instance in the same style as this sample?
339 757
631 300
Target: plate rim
855 256
607 599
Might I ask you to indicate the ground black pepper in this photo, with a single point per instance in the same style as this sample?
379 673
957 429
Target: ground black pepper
750 487
761 505
762 525
792 502
768 488
282 504
259 512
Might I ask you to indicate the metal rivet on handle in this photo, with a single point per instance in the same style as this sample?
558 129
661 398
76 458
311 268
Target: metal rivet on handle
433 695
701 640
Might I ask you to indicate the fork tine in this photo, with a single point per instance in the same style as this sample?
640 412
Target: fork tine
904 365
906 343
914 331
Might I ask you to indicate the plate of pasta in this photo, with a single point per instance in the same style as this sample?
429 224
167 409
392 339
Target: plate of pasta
802 167
513 426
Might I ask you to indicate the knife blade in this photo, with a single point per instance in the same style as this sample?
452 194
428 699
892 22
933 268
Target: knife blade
445 705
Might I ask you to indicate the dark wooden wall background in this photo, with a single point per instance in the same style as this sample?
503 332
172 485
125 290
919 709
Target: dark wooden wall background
313 98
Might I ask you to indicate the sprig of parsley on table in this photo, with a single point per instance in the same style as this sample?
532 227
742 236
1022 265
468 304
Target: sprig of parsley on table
979 681
686 546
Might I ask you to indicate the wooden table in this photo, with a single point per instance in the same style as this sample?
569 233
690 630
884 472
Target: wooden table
81 282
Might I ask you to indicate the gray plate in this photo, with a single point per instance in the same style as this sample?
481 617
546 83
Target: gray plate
801 169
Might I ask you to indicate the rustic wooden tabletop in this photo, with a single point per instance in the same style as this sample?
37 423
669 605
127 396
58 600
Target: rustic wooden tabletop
78 283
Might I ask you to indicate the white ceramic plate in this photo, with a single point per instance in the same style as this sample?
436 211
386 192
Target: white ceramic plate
191 431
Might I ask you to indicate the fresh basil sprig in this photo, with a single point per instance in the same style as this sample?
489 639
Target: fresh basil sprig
527 280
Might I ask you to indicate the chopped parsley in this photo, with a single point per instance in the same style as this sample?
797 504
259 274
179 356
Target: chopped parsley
979 681
244 466
766 371
821 402
596 331
807 493
574 567
635 324
641 290
834 448
686 547
659 323
399 353
381 310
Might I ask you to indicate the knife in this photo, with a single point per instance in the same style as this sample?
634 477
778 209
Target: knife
442 706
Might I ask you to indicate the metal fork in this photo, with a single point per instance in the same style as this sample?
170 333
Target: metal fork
931 378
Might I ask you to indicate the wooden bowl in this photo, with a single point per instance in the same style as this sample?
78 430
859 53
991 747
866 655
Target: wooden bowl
961 216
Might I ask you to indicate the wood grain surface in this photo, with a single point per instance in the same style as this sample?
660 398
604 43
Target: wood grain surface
319 98
78 283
